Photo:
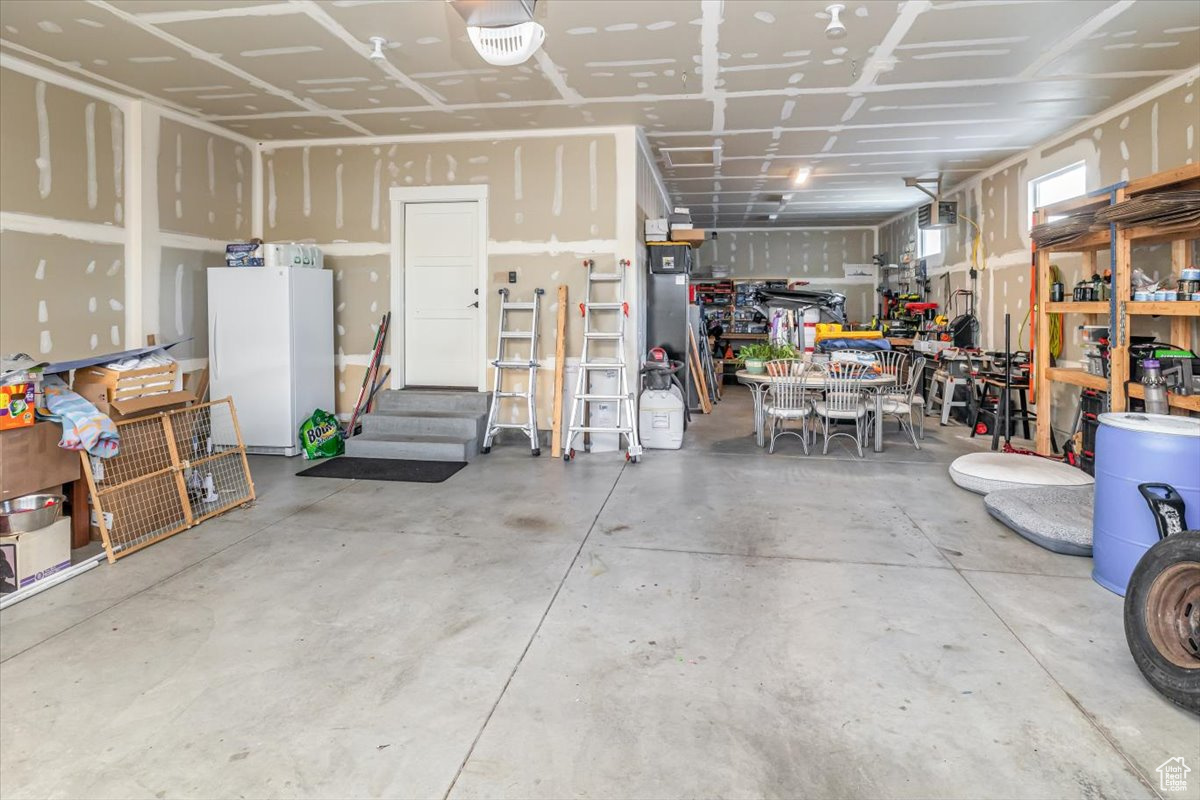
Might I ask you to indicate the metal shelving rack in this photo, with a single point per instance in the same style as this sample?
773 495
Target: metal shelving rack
1119 309
732 308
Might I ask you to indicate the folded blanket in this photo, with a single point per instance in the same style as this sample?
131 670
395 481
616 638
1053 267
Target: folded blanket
84 427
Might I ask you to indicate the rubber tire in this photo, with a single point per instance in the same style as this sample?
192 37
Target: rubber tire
1180 686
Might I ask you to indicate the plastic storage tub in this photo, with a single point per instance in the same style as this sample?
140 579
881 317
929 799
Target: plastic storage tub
1132 449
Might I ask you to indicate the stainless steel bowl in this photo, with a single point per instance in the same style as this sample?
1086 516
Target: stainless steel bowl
29 513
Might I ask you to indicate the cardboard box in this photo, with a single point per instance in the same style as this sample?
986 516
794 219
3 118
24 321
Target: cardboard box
94 533
26 558
129 408
689 236
30 459
16 405
128 384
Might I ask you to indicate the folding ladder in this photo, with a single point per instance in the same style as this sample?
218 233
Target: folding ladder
626 423
529 365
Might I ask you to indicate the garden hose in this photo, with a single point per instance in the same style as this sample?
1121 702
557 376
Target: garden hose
1053 321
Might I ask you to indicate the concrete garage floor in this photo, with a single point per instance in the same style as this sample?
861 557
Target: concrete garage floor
714 622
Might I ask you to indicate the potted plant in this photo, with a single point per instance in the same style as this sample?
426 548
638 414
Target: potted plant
755 357
783 350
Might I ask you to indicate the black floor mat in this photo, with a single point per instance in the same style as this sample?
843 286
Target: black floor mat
384 469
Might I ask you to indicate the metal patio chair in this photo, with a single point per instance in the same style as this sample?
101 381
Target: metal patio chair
900 404
787 399
844 401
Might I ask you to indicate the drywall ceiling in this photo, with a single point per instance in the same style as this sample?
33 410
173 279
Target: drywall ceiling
915 88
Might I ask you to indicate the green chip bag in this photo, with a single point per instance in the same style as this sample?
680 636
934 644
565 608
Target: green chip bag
321 436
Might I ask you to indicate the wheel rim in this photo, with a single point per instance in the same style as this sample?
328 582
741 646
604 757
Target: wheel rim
1173 614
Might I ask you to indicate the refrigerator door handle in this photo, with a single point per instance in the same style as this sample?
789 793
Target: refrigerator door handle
213 361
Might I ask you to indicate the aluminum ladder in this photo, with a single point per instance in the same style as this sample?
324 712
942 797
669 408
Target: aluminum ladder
503 363
626 422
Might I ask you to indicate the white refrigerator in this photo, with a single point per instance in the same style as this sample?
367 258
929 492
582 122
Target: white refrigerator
270 348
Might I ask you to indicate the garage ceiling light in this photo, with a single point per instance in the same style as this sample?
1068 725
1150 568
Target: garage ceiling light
835 29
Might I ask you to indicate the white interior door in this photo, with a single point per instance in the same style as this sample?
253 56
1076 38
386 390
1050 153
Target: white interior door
441 294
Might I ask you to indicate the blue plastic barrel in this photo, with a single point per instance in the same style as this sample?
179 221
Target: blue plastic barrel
1134 448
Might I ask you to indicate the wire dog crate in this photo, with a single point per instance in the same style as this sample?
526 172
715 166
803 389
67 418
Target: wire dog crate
174 470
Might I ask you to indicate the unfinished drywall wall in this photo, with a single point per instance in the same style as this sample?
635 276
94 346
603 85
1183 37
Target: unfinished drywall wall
1156 134
553 201
204 183
65 192
61 298
198 196
62 282
181 301
817 255
63 152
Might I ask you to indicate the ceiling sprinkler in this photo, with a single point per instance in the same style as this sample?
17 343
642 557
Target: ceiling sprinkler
377 43
835 29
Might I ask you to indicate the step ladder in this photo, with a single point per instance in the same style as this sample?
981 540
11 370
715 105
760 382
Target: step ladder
602 335
505 363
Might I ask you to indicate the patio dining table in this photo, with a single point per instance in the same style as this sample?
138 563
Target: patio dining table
759 383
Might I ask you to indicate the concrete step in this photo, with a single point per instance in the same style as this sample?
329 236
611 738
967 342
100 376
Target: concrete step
432 400
430 423
414 447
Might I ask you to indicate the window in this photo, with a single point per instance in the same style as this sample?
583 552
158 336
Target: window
931 243
1062 184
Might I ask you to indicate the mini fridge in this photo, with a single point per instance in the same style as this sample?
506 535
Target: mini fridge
270 348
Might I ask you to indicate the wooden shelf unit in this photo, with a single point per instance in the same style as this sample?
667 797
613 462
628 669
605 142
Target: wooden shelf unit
1076 307
1177 308
1078 377
1182 313
1188 402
